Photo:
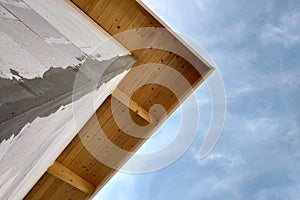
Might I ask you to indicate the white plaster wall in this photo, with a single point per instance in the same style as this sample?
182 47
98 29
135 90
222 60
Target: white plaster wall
30 46
28 155
76 26
25 52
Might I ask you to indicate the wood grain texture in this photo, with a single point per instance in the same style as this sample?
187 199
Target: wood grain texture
50 187
135 107
65 174
137 93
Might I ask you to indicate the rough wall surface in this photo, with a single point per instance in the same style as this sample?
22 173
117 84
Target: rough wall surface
42 54
23 100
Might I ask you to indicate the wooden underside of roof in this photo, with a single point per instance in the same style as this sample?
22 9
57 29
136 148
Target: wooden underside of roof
76 173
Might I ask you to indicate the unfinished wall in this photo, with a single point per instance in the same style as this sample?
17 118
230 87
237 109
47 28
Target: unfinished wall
166 72
45 46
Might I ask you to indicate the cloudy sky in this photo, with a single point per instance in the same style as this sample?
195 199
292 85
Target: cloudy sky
254 46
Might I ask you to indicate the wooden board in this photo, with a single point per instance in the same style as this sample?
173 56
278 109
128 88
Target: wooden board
116 16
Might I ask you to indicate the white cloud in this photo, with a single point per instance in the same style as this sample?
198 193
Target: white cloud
286 32
284 81
256 145
225 160
250 160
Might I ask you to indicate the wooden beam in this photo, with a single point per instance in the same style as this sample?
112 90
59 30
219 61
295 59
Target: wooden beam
63 173
132 105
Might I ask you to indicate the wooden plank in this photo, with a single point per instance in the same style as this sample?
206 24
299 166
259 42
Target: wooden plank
107 13
133 22
128 18
75 147
73 153
154 72
94 170
79 159
150 73
40 187
116 16
135 107
53 188
64 190
89 130
71 147
60 171
187 47
96 9
76 195
86 5
113 24
87 166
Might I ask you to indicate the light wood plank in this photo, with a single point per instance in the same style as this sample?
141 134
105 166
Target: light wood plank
135 107
116 17
60 171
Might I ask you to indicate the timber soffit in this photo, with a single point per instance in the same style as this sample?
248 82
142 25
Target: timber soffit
77 173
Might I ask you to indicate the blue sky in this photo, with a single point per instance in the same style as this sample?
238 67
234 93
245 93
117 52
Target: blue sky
255 45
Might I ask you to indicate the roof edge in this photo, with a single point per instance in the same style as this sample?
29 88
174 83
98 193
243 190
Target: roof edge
180 39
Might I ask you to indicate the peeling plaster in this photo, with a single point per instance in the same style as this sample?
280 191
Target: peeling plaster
42 54
44 138
5 145
21 101
24 51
